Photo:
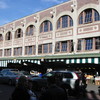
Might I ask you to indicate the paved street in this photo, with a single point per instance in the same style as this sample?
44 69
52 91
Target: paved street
5 91
92 93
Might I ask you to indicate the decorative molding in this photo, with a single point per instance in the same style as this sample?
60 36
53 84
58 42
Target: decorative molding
64 33
45 36
88 29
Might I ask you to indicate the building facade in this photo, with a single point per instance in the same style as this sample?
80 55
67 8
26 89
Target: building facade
68 32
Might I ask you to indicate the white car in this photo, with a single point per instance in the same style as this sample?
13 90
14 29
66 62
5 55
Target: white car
69 79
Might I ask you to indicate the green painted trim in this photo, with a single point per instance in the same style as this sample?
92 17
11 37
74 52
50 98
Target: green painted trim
92 55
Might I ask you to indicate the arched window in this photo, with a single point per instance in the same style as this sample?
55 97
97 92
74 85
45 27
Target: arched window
1 37
18 33
64 22
46 26
8 36
88 16
30 30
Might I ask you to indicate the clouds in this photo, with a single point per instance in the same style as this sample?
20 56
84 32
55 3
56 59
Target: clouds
53 1
3 5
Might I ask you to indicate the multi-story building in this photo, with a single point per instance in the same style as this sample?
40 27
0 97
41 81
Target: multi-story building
68 32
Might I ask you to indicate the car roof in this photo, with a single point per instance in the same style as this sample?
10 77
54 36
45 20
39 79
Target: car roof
63 71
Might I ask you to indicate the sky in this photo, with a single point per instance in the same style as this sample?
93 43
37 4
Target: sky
11 10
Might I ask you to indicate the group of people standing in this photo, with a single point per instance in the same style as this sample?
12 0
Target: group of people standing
23 91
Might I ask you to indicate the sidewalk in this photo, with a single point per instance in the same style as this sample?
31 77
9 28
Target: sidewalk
92 87
91 94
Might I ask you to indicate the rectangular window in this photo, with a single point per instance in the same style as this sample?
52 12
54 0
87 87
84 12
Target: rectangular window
97 43
45 48
7 52
50 48
89 44
29 50
0 52
18 51
71 45
40 49
57 47
79 45
64 46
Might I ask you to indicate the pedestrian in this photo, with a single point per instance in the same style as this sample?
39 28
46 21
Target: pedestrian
53 92
22 90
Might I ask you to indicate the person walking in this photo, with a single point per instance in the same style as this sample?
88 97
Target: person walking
22 90
53 92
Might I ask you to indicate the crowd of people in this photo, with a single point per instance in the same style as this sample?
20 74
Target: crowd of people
54 91
23 91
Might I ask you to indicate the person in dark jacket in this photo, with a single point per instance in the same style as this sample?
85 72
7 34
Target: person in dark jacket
53 92
22 90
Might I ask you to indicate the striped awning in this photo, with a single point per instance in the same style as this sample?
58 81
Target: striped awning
83 60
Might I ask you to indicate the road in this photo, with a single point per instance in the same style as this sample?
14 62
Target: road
92 93
5 91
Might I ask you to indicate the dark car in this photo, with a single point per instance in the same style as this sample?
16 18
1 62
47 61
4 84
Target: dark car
8 77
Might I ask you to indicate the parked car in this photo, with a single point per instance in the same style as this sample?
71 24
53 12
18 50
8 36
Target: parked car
8 69
8 77
23 73
69 79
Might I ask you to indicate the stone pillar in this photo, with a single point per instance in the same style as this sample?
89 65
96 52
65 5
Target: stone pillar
74 11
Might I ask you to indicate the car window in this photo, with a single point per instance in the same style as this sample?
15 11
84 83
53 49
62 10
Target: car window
48 74
58 74
67 75
8 73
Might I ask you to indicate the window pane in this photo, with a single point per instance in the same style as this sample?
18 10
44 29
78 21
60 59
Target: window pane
81 19
30 50
88 15
96 16
64 21
50 26
79 46
50 48
71 22
31 30
89 44
97 43
40 49
45 48
57 47
46 26
64 46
